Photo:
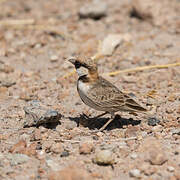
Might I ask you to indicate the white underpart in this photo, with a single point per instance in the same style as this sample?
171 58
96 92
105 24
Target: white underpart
81 71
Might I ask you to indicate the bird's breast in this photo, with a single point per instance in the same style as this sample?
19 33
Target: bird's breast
83 87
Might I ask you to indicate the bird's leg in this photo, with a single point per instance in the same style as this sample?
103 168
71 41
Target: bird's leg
109 121
87 117
100 115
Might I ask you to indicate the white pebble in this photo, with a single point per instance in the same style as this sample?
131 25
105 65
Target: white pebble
133 156
134 173
170 168
54 58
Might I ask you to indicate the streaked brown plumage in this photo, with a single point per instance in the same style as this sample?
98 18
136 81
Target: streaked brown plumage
100 94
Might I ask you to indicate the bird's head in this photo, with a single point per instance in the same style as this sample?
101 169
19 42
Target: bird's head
84 66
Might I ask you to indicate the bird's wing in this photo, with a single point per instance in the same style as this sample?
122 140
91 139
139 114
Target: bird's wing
106 95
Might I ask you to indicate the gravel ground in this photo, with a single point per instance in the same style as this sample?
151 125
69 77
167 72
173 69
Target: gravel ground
43 132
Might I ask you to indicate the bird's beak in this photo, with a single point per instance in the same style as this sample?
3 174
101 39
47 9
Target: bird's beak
72 60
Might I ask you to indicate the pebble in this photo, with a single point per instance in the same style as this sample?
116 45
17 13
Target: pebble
64 154
111 42
56 148
54 58
157 157
170 169
95 10
134 173
16 159
133 156
104 157
37 114
153 121
53 165
69 125
86 148
70 173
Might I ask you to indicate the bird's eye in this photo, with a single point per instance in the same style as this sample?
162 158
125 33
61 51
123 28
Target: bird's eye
77 64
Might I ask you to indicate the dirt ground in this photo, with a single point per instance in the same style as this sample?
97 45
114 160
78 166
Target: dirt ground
36 38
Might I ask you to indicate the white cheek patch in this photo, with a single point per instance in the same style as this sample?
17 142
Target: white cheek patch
81 71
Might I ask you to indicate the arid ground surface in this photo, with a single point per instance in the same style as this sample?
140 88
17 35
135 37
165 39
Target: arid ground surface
37 86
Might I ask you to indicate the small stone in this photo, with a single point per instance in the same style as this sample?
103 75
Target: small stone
153 121
132 131
19 147
7 82
104 157
170 169
37 114
6 68
22 148
134 173
86 148
133 156
157 128
16 159
53 165
95 10
111 42
157 158
70 173
70 125
56 148
151 150
100 134
64 154
54 58
46 146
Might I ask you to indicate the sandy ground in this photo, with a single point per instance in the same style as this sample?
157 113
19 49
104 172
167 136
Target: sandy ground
36 37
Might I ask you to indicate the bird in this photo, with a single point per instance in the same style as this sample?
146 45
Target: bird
100 94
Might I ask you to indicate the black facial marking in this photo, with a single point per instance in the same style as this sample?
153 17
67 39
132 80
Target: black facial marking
77 64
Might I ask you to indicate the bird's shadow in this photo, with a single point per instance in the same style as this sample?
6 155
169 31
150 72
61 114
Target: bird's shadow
97 123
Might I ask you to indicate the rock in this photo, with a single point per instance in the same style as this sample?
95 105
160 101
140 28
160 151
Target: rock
37 114
56 148
64 154
16 159
157 158
46 146
22 148
147 169
70 173
170 169
36 136
132 131
155 12
153 121
53 58
152 151
133 156
19 147
134 173
95 10
104 157
111 42
86 148
70 125
7 82
6 68
53 165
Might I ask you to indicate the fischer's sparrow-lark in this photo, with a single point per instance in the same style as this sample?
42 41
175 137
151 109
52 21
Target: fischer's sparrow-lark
100 94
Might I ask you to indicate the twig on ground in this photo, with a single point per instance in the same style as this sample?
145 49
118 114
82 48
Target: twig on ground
17 22
142 68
